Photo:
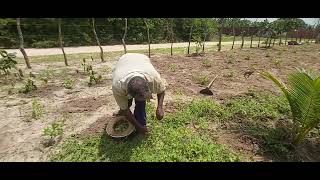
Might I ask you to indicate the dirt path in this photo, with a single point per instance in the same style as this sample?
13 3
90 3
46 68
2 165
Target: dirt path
92 49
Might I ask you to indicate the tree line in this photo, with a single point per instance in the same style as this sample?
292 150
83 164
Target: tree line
43 32
53 32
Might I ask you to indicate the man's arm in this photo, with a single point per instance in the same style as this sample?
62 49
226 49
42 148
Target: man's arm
159 111
133 120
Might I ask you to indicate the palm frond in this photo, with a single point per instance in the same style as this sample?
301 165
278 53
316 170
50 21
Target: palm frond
301 91
293 106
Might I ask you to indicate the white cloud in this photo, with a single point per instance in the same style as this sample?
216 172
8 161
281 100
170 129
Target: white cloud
310 21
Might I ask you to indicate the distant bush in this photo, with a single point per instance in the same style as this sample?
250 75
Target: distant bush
45 44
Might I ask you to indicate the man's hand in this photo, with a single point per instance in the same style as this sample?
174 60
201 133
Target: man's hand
133 120
159 113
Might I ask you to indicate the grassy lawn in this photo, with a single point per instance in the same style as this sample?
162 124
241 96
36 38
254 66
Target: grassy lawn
173 139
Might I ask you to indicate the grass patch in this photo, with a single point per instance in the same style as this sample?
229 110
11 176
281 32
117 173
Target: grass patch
29 86
172 67
202 79
53 130
229 74
46 74
37 109
173 139
257 106
170 141
206 63
68 83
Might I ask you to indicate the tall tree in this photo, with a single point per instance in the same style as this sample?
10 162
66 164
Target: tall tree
171 35
243 31
285 42
242 37
124 35
21 44
190 35
317 35
221 24
61 43
146 23
233 32
253 33
97 39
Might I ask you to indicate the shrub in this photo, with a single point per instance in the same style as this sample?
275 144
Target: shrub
7 61
303 95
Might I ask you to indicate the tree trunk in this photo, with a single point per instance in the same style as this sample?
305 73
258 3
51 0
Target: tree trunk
145 22
259 39
274 40
242 39
204 40
300 38
251 41
21 44
190 35
97 39
267 41
124 35
234 35
220 37
285 41
171 29
280 41
61 43
270 40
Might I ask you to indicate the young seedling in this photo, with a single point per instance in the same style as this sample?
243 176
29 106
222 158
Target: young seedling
206 63
229 74
179 92
277 62
28 87
172 67
93 79
231 59
88 68
7 62
52 134
53 130
46 74
202 79
37 109
68 83
84 64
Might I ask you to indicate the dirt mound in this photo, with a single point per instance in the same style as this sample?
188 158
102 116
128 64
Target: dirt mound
84 104
95 128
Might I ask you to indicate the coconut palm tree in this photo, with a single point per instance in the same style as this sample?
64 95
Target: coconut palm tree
303 95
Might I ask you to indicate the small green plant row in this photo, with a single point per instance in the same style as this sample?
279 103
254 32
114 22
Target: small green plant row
94 78
54 129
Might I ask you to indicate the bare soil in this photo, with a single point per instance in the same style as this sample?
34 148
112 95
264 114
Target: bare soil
88 109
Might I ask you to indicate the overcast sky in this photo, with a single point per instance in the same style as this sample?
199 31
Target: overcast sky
310 21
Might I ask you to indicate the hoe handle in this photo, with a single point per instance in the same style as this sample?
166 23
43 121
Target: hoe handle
209 86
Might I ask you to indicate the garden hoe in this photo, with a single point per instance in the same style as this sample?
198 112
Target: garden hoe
207 90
